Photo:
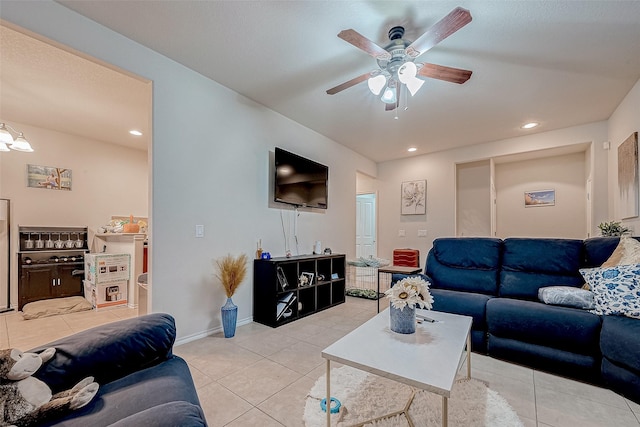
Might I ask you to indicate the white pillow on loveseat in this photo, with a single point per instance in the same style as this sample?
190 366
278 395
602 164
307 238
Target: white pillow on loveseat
567 296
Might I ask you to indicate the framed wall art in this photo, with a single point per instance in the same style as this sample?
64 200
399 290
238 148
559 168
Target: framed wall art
628 177
539 198
48 177
414 197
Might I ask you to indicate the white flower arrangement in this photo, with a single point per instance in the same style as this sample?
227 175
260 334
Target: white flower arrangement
410 292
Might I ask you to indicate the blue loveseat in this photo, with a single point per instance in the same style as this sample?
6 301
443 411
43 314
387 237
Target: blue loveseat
497 281
141 382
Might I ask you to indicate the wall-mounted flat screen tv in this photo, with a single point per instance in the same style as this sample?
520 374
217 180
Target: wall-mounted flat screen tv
300 181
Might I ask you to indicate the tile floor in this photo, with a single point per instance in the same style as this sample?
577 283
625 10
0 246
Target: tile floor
262 375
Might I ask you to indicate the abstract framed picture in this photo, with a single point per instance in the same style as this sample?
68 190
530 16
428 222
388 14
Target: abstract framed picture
539 198
628 177
48 177
414 197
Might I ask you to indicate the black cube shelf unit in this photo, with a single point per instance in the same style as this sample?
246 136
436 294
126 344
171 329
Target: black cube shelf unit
279 297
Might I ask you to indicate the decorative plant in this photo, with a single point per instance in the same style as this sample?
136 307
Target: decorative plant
231 271
612 228
410 292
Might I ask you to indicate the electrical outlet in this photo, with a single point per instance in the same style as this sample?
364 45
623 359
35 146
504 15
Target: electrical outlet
401 233
422 233
199 230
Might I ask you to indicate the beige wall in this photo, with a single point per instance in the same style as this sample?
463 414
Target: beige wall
564 174
623 122
107 180
473 199
439 170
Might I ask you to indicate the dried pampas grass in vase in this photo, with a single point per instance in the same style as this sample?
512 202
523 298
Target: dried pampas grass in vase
231 271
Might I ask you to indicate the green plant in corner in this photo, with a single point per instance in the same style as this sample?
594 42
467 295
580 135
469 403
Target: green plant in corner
612 228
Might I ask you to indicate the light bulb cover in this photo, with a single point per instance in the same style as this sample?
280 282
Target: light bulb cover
3 147
377 83
407 72
414 85
389 95
5 136
21 144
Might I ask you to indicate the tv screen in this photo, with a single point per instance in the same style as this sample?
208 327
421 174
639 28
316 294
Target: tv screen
300 181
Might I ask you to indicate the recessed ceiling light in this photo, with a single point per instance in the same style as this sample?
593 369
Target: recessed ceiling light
411 149
529 125
135 132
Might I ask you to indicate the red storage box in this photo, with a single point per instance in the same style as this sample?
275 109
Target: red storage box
406 257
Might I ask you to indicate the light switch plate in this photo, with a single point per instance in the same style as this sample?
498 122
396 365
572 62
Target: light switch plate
401 233
199 230
422 233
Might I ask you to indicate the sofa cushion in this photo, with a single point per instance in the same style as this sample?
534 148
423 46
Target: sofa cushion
598 249
616 289
465 264
621 380
167 382
468 304
563 328
567 296
529 264
109 352
620 341
183 414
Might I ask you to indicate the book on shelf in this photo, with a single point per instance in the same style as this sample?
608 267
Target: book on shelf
284 303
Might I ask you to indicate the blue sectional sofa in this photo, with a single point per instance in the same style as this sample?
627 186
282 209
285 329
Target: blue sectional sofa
496 282
141 382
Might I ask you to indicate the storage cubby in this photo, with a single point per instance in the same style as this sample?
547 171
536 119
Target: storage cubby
278 295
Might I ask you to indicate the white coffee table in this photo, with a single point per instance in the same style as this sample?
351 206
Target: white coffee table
430 358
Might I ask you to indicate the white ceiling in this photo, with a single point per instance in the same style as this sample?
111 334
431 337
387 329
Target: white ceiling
561 63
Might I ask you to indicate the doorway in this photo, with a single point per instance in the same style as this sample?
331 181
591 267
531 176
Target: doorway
366 226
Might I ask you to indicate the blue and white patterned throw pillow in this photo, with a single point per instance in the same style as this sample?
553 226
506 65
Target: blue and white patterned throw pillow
616 289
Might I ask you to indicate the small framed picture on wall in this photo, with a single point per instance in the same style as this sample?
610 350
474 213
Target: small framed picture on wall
539 198
414 197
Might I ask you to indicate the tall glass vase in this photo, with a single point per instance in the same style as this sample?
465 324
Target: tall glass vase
402 321
229 312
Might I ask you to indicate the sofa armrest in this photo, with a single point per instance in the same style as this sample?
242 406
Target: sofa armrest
168 414
109 351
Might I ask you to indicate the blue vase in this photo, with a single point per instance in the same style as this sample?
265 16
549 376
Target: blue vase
402 321
229 313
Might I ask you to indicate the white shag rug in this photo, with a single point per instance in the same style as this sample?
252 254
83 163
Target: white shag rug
365 397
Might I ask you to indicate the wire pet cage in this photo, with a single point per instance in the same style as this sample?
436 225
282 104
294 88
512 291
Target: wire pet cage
362 278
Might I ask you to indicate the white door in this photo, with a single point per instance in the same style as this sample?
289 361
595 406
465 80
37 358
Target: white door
366 226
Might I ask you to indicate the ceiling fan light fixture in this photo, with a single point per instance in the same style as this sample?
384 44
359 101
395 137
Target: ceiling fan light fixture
389 95
3 147
377 83
21 144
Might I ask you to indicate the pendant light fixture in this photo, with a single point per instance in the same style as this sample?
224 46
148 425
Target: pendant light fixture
7 141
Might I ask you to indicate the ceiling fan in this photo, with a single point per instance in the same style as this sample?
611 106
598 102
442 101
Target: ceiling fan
396 61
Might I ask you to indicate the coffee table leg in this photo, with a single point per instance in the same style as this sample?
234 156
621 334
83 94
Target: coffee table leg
445 411
469 356
328 393
378 293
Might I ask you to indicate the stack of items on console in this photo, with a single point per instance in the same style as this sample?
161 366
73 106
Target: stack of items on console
106 279
529 304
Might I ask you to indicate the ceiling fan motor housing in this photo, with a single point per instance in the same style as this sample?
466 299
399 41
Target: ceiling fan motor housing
397 51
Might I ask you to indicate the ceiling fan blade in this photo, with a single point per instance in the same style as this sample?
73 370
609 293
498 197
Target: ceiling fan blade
439 31
441 72
363 43
347 85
